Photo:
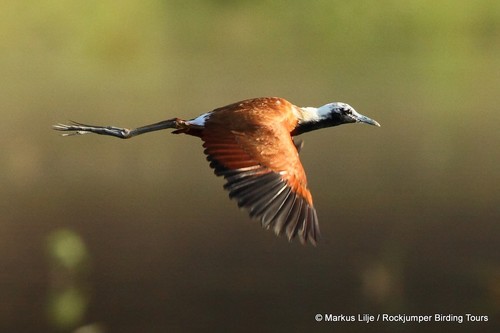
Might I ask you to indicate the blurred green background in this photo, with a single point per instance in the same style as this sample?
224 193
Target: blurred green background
103 235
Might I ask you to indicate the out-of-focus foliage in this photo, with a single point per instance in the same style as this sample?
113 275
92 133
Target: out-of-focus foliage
68 293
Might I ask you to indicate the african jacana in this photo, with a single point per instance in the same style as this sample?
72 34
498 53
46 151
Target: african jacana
250 144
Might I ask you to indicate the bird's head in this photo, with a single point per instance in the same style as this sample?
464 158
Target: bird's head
328 115
341 113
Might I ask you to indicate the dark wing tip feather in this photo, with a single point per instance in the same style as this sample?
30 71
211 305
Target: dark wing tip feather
270 199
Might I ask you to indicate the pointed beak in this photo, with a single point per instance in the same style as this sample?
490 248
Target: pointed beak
366 120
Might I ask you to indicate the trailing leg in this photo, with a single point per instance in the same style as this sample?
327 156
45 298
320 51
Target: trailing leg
123 133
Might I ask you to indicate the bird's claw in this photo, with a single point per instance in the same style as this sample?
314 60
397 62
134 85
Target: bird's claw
75 127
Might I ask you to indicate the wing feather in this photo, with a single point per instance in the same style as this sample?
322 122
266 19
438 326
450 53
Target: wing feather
250 145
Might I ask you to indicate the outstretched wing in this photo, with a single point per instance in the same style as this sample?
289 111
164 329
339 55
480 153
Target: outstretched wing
261 165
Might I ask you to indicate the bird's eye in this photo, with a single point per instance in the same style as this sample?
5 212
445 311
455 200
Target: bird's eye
345 111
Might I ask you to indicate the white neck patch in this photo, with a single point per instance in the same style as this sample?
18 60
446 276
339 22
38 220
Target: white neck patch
312 114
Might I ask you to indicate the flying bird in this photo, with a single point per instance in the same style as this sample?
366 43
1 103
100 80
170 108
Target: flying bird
250 143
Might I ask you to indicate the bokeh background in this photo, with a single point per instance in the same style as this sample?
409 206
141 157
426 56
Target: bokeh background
105 235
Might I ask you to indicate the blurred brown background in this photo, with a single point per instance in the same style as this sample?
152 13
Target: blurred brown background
102 235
